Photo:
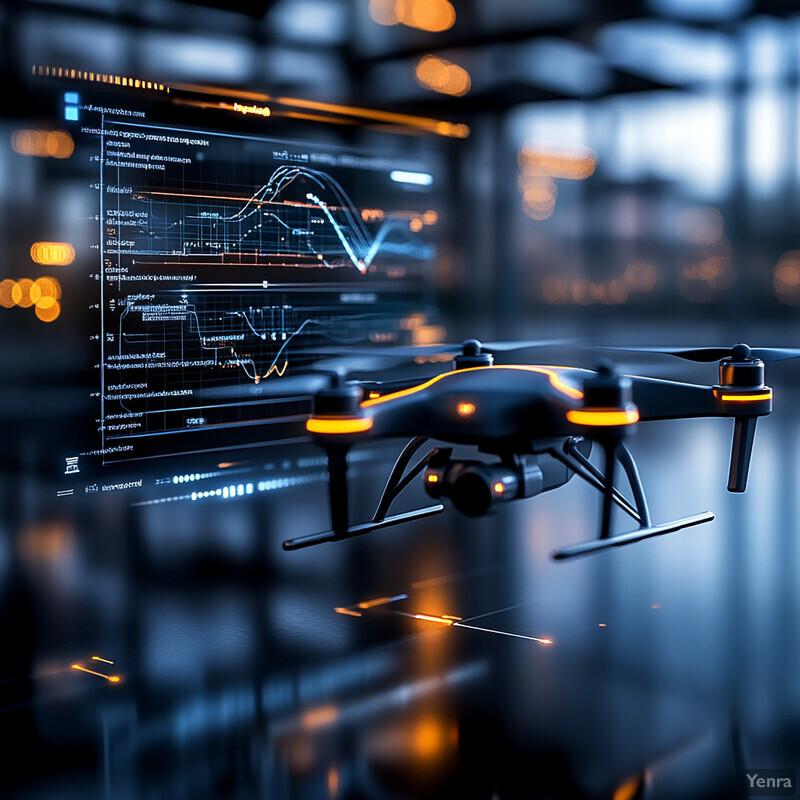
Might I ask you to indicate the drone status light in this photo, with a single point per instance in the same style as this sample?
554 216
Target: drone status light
465 409
747 398
339 425
603 416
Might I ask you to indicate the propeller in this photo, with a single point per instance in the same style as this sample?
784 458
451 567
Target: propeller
414 351
707 354
317 376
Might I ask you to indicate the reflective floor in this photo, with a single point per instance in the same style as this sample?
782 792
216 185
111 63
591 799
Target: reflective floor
174 650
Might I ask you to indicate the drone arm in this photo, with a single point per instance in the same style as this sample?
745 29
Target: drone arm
660 399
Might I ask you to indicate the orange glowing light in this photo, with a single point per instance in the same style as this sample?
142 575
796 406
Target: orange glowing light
428 738
53 253
552 373
440 127
499 488
373 395
427 334
601 625
333 782
465 409
104 660
415 224
319 717
339 425
48 309
545 641
347 611
627 790
574 164
746 398
433 478
372 214
21 293
378 601
47 289
6 293
442 76
109 678
603 416
429 618
433 16
44 144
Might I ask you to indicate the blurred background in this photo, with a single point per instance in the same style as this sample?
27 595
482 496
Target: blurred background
610 173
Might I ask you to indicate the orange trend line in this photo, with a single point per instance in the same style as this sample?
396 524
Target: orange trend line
555 380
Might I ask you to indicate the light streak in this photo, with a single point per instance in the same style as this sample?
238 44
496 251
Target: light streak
382 601
109 678
348 611
104 660
538 639
427 124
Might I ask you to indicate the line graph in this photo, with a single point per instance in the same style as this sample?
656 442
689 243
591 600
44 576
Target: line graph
227 262
300 214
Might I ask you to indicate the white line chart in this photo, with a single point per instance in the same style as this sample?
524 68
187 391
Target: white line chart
314 224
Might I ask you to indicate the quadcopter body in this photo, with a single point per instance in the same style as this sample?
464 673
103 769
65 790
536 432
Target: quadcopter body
538 423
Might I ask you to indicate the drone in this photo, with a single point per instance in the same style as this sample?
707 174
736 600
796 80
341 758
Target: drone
537 424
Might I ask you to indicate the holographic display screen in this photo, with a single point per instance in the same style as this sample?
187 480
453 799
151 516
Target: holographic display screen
228 259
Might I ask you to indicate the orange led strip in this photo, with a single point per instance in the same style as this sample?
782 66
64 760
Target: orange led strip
603 417
555 380
340 425
746 398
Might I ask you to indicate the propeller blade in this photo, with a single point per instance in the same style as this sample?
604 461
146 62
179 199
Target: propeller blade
702 354
504 347
414 351
776 353
688 353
